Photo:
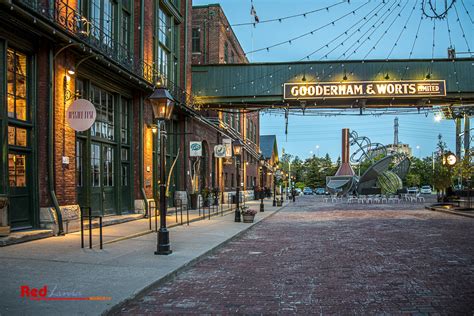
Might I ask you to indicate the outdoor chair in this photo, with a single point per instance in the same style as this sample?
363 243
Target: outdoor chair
376 199
420 198
384 199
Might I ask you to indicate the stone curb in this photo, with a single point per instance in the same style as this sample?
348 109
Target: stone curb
173 274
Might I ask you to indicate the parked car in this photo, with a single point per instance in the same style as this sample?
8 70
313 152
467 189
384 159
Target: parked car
298 191
307 191
458 187
426 189
413 190
320 191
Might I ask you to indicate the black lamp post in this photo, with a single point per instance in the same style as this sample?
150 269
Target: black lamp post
262 194
274 186
162 103
237 146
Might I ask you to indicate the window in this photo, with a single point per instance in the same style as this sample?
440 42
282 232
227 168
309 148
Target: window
102 17
108 177
17 85
17 136
95 165
164 28
125 25
124 120
16 170
226 52
232 57
196 40
105 121
79 165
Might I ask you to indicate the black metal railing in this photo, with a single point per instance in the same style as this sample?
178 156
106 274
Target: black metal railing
101 39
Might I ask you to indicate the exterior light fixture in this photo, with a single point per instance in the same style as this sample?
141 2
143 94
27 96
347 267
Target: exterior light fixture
71 71
162 104
450 159
154 128
304 78
428 76
387 76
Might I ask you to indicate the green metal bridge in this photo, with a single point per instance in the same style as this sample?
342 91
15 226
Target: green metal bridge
261 85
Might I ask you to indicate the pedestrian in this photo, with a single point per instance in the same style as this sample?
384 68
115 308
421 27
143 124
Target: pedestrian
293 194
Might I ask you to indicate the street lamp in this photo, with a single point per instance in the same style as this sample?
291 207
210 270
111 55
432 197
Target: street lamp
162 104
262 163
237 146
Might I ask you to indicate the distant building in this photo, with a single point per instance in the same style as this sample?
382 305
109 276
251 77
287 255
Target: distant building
400 148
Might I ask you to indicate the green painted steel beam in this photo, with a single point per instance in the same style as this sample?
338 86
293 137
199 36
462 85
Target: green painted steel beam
262 82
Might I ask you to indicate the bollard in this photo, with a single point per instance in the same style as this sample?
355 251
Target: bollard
90 228
82 228
100 231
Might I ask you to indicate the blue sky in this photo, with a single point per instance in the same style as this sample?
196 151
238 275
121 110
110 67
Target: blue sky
307 132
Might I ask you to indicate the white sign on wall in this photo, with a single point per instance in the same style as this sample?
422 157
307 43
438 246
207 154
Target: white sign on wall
219 151
81 115
227 142
195 149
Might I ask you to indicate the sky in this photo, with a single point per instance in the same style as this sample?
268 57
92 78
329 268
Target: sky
315 135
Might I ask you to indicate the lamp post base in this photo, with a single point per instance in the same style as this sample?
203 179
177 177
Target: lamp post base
262 207
237 216
274 203
164 247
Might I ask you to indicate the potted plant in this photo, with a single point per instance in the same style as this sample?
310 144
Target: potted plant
248 214
205 193
215 193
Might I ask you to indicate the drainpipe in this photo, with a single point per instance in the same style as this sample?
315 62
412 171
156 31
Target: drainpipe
51 145
186 47
142 188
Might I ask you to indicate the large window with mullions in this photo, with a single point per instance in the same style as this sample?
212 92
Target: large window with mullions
166 46
105 120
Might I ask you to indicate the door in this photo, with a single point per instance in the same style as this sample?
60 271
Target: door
102 179
20 154
19 169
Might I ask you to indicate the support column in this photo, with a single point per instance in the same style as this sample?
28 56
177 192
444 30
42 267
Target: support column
467 134
458 137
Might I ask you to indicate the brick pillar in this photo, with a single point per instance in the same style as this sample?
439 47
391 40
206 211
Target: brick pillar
64 136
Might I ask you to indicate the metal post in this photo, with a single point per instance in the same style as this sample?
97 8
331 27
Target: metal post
262 193
82 228
100 231
274 188
163 246
156 218
237 191
90 228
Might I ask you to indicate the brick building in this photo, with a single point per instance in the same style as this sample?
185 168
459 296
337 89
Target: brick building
214 42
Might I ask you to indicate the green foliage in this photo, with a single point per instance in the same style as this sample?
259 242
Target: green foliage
300 185
413 180
442 177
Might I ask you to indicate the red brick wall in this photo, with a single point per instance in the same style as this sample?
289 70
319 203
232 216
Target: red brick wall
64 136
42 123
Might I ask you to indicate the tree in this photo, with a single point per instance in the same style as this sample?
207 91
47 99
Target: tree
442 176
413 180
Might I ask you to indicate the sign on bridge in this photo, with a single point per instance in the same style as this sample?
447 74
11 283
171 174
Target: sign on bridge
364 89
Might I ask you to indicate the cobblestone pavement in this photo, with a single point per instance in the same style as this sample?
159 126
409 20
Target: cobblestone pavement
316 258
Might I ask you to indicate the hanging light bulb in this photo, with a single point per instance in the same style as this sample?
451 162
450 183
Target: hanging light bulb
387 76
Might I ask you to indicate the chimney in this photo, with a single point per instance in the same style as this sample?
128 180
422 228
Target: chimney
345 169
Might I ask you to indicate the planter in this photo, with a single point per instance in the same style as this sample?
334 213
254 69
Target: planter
4 228
248 218
216 201
279 202
194 201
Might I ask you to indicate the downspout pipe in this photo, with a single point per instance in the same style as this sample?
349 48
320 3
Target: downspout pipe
140 129
142 188
51 145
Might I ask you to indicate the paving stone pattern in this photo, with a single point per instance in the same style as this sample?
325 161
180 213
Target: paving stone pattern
316 258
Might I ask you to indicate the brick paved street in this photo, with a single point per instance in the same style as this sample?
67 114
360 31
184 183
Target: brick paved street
316 258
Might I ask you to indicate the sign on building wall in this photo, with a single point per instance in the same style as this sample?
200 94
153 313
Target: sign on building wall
227 142
81 115
219 151
195 149
364 89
